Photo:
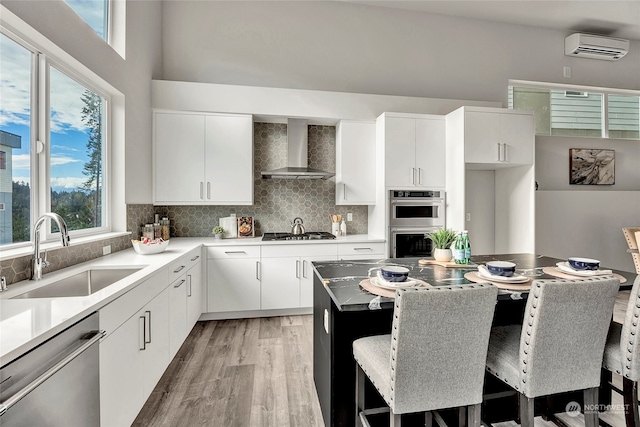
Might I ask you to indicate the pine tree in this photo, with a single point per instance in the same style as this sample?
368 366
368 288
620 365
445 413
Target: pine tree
92 118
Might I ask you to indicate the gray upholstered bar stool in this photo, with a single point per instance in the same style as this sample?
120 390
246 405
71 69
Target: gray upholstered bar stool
622 355
434 357
559 346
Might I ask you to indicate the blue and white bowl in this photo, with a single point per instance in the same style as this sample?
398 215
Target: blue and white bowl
584 263
394 273
501 268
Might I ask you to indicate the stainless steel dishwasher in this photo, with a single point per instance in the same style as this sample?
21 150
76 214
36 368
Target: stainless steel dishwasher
56 383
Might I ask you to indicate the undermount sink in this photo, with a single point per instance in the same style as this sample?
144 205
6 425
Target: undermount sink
81 284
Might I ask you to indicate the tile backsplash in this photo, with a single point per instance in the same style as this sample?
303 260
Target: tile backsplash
276 203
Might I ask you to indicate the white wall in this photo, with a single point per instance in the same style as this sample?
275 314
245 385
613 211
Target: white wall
347 47
56 21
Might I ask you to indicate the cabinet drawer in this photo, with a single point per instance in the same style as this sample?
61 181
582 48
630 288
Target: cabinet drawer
364 249
230 252
178 268
193 257
298 250
117 312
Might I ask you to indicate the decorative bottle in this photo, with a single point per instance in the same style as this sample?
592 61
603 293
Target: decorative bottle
458 250
467 247
343 228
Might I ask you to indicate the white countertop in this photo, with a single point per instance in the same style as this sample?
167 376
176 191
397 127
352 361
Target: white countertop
25 323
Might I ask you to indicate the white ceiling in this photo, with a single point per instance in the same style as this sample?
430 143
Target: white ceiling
606 17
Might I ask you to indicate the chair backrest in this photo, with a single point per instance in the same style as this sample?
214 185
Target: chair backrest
439 346
631 235
630 339
564 331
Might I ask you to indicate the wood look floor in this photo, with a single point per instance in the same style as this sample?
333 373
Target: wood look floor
259 373
247 372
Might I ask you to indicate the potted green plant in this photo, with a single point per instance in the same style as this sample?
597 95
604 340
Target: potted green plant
442 240
217 232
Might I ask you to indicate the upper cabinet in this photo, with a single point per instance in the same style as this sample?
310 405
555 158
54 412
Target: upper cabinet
495 136
414 150
203 159
356 163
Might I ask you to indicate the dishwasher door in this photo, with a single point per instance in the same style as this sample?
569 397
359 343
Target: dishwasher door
57 383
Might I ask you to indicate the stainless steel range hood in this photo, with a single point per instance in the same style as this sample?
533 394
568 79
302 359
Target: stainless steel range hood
297 156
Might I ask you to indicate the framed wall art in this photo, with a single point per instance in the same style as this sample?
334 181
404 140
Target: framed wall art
591 166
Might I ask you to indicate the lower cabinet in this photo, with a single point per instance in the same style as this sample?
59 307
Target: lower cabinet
178 328
195 293
353 251
287 274
132 360
233 278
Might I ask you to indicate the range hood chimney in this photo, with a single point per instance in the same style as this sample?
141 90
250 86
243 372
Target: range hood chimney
297 155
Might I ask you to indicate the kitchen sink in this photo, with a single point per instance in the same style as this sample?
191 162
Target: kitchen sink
81 284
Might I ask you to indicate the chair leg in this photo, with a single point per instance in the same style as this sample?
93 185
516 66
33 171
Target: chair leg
473 415
591 417
630 396
526 411
462 416
394 420
428 419
360 376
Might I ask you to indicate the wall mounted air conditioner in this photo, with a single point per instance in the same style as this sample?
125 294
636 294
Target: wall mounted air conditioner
595 47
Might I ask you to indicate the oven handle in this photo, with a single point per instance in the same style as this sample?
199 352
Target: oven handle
413 229
416 202
7 404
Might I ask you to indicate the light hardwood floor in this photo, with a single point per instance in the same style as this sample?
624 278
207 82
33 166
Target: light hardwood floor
256 373
247 372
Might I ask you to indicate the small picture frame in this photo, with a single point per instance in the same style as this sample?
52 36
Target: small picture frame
245 226
592 166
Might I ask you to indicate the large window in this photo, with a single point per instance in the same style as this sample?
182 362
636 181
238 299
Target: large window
579 111
55 143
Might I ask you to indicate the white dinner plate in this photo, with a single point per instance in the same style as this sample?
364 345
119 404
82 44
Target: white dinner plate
484 273
392 285
566 268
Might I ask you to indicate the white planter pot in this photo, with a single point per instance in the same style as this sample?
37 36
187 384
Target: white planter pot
444 255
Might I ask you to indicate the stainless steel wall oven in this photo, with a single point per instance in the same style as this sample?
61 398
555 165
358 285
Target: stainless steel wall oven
412 214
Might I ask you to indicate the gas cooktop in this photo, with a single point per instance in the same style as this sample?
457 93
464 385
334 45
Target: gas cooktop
311 235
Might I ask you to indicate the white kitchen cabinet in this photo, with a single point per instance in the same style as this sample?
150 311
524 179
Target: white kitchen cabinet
498 136
370 250
132 360
414 147
202 159
355 163
177 314
233 281
286 274
490 178
195 292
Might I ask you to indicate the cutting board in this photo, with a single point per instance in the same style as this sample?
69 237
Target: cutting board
448 264
230 226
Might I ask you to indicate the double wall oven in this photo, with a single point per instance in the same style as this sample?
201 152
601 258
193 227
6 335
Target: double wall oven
412 214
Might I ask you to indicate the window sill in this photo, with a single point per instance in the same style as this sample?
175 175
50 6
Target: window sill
6 254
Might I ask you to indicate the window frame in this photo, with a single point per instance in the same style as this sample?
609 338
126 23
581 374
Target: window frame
42 58
577 88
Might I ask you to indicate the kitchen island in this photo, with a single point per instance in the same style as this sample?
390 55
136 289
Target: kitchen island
343 312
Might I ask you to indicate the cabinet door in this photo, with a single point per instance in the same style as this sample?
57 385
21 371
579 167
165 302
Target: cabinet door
430 153
517 133
356 163
121 376
233 285
156 354
399 148
179 162
482 137
194 295
280 279
178 329
229 159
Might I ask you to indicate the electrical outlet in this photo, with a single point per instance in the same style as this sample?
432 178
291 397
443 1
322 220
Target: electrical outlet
566 72
468 216
349 216
106 250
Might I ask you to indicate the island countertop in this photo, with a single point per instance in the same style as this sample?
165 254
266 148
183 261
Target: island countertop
342 278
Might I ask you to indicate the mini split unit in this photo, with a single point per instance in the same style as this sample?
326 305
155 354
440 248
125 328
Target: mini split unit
595 47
